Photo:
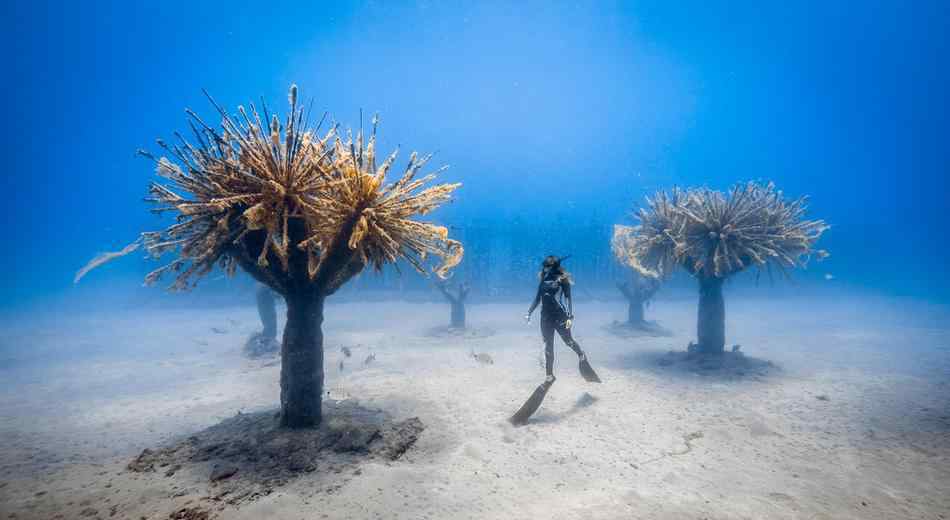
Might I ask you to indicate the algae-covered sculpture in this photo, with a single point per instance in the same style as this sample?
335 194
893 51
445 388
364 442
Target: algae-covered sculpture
301 213
714 235
457 300
264 343
638 296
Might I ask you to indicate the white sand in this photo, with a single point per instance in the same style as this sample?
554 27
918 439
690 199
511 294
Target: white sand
80 395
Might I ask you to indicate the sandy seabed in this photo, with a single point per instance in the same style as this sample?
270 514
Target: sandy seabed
852 422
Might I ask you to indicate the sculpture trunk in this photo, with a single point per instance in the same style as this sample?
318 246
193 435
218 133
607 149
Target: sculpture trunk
267 310
301 367
458 315
457 301
635 311
711 319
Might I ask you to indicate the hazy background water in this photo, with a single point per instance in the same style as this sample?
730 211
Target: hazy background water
558 117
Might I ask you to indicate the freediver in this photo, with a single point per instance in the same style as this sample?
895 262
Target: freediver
554 290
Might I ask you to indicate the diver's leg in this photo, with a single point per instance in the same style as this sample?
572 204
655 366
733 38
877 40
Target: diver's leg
537 397
547 332
587 372
568 339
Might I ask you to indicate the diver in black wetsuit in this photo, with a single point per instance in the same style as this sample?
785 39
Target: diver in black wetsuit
554 290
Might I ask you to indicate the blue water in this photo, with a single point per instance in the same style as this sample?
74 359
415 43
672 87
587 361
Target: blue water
557 117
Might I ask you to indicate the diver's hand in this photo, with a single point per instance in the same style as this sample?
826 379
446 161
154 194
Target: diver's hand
527 318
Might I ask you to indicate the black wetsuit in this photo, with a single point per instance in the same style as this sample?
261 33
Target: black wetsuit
554 288
553 291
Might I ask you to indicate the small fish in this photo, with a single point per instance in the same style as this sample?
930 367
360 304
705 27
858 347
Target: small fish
217 330
829 276
483 358
346 351
341 365
369 359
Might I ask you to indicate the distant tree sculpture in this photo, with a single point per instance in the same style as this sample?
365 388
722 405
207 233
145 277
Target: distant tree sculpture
264 343
714 235
638 295
457 300
302 214
267 310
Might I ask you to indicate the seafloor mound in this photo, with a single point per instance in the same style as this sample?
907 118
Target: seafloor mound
728 365
259 345
649 329
731 365
448 331
246 456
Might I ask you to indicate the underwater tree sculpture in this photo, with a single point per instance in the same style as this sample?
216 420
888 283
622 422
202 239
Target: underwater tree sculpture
457 301
264 343
267 310
714 235
301 213
638 295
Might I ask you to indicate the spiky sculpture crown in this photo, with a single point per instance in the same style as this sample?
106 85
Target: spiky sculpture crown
714 234
258 193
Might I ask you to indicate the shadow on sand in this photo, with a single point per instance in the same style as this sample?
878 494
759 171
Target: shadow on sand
729 366
647 329
247 456
446 331
584 401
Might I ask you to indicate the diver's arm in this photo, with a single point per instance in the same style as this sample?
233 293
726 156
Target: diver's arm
566 287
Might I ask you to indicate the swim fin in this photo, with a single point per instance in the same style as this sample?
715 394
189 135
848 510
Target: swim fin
531 405
587 372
